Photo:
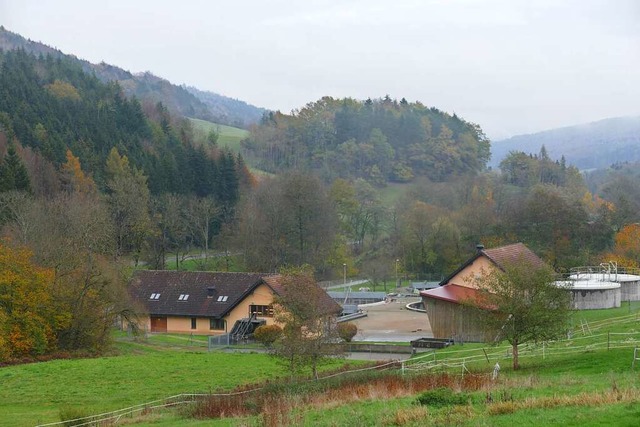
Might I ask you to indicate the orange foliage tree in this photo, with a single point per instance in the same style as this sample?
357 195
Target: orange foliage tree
27 317
627 246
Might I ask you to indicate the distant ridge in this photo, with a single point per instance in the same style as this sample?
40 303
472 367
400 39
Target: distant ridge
147 87
587 146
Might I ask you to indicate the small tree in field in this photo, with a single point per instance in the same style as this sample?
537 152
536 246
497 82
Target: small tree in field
307 315
267 334
347 331
529 306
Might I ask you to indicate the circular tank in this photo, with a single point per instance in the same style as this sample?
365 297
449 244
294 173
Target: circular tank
629 283
592 294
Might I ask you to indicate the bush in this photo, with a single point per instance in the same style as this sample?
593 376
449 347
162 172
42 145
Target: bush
267 334
440 397
347 331
69 415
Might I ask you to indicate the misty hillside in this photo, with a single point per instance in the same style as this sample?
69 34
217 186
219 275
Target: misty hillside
150 88
588 146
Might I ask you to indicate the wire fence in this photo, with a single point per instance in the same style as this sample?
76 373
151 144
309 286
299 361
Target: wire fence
113 417
449 359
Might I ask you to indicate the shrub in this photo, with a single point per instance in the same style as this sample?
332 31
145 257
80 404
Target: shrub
267 334
73 416
440 397
347 331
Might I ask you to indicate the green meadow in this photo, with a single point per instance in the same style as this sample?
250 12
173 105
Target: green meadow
228 136
585 379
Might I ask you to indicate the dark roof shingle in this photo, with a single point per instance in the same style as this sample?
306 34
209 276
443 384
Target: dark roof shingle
172 284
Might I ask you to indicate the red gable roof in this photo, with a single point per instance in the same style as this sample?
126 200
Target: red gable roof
456 294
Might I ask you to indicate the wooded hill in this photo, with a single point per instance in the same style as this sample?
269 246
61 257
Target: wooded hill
147 87
594 145
380 140
50 105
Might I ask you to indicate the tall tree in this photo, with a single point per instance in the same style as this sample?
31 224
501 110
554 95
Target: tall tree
309 329
128 198
13 173
528 306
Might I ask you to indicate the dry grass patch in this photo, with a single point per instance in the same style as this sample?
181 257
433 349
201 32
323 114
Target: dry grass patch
612 396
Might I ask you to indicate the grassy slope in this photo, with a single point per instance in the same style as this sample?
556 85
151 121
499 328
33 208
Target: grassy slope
229 136
35 393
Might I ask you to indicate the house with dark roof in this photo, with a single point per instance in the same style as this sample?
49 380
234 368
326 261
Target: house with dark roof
206 302
453 307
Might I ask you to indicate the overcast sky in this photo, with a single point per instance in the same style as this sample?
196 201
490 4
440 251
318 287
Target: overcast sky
511 66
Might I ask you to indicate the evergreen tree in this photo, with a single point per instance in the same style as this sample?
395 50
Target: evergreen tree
13 173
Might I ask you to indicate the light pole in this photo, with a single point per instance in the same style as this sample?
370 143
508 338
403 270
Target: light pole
344 270
397 262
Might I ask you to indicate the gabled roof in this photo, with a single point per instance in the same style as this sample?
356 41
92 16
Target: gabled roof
500 257
325 302
171 285
457 294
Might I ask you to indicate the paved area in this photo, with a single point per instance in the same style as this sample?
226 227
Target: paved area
392 322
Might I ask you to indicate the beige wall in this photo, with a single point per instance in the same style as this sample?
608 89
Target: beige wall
262 295
467 276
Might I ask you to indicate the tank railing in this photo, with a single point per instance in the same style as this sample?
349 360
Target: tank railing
606 272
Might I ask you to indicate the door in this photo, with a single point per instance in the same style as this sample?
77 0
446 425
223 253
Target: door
158 324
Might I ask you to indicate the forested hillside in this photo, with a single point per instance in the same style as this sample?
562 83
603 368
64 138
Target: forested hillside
594 145
50 105
147 87
377 140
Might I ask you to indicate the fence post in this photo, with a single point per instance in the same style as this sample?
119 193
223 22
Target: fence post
403 368
543 352
608 341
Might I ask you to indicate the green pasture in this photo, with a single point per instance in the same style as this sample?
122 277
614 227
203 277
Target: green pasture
35 393
229 136
593 359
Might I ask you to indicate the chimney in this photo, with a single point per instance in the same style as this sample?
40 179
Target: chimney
479 247
211 292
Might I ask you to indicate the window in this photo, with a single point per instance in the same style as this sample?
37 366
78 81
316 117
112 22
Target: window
216 324
183 297
261 310
223 298
193 322
154 296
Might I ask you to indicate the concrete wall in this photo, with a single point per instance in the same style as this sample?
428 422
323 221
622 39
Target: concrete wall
470 273
630 291
591 299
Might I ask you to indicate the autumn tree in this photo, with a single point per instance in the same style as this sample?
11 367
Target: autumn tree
73 178
28 318
526 304
306 314
627 246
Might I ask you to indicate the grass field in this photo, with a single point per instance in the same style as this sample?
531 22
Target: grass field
229 137
585 380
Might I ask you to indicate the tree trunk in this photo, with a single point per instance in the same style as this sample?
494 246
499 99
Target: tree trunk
516 363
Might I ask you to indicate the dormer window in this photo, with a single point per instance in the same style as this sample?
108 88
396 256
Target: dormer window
223 298
154 296
183 297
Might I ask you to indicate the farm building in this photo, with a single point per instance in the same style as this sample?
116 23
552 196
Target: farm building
450 306
206 302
